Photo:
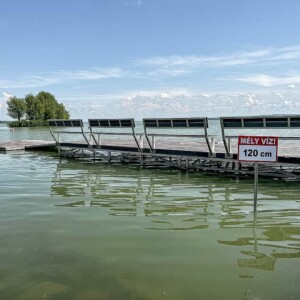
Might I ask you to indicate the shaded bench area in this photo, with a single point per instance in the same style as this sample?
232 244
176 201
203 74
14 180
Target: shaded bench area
116 134
65 131
114 127
267 125
168 128
71 133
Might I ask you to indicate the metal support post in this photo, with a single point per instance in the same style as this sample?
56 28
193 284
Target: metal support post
255 184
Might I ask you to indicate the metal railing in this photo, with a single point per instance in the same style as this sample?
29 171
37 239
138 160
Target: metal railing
257 122
57 124
177 123
116 124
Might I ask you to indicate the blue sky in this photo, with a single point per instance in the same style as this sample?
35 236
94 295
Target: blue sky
138 58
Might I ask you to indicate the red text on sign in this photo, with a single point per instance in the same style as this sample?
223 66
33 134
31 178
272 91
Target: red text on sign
258 140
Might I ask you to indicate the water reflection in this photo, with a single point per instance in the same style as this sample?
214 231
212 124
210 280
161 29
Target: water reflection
131 191
178 201
268 241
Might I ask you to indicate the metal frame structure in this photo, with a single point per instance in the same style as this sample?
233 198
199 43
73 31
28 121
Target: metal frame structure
115 124
168 155
70 123
258 122
177 123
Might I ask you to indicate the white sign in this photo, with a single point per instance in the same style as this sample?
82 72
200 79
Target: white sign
257 148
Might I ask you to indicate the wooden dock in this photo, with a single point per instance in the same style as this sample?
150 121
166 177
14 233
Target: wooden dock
187 156
172 153
182 143
287 153
26 145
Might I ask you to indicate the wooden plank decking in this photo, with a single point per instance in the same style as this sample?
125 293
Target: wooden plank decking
170 153
287 153
284 150
25 144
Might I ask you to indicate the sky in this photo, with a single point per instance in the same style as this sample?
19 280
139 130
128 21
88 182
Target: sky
152 58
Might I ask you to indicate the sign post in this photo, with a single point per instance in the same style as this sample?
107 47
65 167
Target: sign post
255 184
257 149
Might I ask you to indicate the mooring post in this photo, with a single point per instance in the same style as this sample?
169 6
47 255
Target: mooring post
142 160
255 184
179 162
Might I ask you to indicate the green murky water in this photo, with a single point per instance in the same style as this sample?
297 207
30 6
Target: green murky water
75 230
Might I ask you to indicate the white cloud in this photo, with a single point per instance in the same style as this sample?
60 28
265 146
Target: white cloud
90 74
251 100
132 3
270 81
61 77
176 65
180 103
28 82
7 96
206 95
198 104
156 69
4 97
163 93
212 61
286 53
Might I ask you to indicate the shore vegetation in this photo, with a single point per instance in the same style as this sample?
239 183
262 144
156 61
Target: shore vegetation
35 110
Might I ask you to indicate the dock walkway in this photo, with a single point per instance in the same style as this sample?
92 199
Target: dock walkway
169 143
25 145
182 143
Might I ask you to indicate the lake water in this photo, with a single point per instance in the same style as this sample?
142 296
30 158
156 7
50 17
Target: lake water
76 230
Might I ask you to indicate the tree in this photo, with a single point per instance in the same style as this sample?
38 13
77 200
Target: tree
51 108
44 106
49 103
61 112
38 109
35 109
16 108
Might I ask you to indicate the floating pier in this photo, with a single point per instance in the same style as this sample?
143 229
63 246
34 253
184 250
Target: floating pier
182 143
26 145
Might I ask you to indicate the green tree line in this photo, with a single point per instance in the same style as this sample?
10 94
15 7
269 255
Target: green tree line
35 110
